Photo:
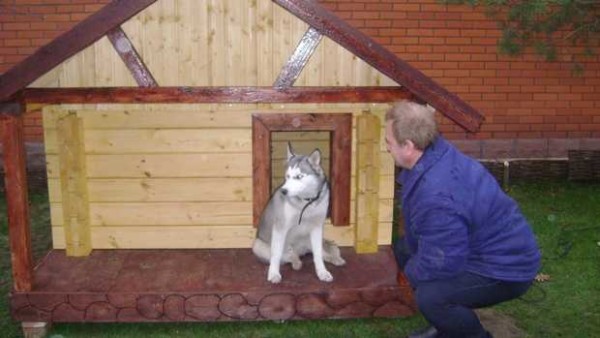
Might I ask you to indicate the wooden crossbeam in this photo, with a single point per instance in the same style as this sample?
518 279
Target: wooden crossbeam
131 58
215 95
306 47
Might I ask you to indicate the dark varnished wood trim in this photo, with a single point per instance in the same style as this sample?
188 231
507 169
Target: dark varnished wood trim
131 58
306 47
215 95
66 45
385 61
15 180
261 167
340 126
11 108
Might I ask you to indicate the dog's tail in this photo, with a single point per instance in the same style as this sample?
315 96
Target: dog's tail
261 250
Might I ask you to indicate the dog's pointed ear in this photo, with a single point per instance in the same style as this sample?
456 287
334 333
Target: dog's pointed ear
315 157
290 151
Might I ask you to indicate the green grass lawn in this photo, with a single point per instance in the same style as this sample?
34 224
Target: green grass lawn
565 217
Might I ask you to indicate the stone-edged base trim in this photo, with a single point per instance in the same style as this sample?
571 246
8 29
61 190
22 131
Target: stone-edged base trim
207 286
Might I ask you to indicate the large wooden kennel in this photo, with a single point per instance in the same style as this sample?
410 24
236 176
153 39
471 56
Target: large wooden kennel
140 234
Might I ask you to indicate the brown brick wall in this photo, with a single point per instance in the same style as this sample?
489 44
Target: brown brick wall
521 97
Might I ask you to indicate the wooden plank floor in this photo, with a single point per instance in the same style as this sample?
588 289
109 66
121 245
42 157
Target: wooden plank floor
206 285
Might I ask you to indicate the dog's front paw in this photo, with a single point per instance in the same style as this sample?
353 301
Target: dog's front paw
325 276
274 277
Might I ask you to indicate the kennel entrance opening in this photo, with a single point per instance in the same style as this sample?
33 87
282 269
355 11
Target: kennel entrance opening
338 125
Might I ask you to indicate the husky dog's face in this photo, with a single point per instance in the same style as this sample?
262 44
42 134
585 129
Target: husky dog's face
304 175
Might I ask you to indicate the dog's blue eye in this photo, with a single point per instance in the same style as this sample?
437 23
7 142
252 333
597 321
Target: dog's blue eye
299 176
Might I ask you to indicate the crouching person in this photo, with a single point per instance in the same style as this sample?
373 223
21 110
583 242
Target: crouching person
467 245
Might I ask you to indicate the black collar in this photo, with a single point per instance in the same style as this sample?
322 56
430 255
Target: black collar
311 200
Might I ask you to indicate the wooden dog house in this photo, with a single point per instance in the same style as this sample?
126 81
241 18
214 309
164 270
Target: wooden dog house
158 143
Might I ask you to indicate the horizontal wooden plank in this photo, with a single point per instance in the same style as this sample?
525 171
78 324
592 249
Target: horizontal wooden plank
158 237
197 237
163 214
182 166
195 115
162 165
179 214
202 117
179 189
163 190
214 95
180 140
161 141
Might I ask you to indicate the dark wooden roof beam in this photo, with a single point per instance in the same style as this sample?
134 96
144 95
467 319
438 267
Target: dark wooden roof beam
214 95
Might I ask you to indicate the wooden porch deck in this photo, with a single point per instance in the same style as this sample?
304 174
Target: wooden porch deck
206 285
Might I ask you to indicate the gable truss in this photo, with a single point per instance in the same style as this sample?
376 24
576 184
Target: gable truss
415 85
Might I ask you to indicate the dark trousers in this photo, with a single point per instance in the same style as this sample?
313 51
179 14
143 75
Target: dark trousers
448 304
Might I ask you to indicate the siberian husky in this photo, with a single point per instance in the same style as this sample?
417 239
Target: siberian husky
292 223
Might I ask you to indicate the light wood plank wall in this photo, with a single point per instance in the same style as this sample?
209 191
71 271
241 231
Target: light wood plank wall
185 173
213 43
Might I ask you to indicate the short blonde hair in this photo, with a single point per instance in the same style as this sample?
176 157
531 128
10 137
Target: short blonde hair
414 122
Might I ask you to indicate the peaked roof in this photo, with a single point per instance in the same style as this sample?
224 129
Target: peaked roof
319 18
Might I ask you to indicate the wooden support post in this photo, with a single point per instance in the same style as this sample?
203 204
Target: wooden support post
340 169
367 183
261 167
73 183
15 180
35 329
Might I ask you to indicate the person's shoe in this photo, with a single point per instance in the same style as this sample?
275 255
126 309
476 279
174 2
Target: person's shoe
428 332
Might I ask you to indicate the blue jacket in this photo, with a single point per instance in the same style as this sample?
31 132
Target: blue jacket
458 219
